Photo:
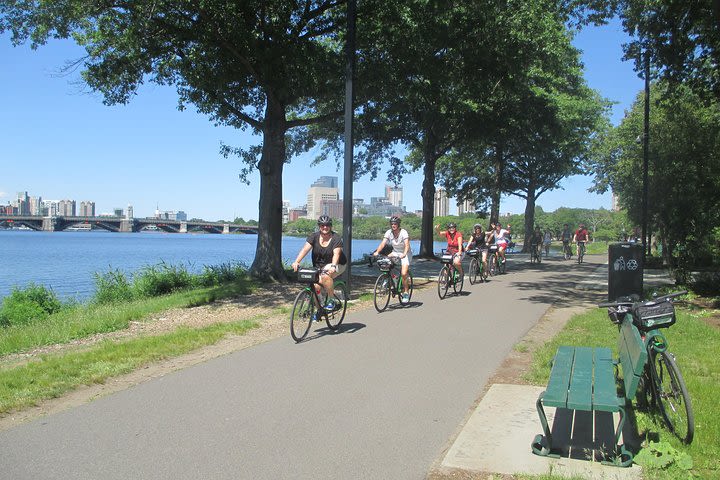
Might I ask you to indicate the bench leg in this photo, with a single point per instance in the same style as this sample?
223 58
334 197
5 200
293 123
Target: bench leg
623 457
542 443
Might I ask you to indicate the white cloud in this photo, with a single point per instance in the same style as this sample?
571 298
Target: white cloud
3 194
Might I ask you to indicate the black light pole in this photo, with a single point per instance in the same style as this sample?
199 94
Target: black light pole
349 116
646 149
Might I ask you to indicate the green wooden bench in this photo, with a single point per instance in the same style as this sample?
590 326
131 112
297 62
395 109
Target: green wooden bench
585 378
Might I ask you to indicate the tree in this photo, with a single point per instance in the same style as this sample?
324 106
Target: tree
684 171
266 65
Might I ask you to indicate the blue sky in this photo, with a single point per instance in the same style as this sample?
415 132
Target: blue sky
59 141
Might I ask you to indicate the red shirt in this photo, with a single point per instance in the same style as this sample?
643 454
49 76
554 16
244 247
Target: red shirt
453 242
581 235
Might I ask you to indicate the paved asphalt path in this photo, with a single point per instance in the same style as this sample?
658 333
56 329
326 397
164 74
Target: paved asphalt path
381 399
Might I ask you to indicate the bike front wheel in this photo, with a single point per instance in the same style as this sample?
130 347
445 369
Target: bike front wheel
381 297
672 396
302 315
459 280
340 297
474 271
492 265
443 281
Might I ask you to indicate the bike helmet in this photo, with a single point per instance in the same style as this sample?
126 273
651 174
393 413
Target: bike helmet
451 225
477 225
324 220
395 219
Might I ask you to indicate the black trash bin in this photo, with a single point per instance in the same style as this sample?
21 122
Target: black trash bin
625 270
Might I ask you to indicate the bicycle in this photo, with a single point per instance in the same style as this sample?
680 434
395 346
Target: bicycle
581 252
390 283
310 306
448 276
477 267
567 251
661 385
535 253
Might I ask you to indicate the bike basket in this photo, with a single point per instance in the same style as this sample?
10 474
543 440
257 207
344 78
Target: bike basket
385 264
472 252
447 258
308 276
658 315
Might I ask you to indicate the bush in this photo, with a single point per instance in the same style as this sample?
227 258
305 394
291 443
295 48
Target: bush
156 280
706 283
224 273
29 304
112 287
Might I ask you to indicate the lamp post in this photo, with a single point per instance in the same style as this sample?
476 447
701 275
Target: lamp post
349 114
646 149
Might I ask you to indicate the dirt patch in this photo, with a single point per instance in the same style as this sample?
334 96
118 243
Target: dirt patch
269 307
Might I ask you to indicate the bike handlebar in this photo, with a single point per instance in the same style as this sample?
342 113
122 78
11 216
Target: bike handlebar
654 301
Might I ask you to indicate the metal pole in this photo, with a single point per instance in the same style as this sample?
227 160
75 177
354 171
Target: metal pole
646 150
349 115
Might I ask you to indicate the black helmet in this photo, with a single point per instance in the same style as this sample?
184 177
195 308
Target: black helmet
395 219
324 220
451 225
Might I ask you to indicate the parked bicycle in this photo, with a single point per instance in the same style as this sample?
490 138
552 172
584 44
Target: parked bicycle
310 306
535 253
390 284
477 271
581 252
662 386
448 276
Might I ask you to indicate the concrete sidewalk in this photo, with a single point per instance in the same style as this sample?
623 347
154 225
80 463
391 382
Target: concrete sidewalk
497 435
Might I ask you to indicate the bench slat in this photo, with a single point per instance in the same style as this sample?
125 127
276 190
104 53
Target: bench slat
557 389
633 356
581 381
605 396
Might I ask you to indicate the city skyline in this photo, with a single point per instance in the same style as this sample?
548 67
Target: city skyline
60 138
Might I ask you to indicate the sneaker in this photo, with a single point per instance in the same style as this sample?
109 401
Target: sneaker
315 317
405 297
330 305
503 261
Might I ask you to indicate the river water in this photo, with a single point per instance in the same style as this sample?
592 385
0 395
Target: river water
66 261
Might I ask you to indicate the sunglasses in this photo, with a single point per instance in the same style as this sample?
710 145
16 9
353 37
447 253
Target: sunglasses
326 224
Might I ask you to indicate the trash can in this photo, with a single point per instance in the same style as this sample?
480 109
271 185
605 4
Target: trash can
625 270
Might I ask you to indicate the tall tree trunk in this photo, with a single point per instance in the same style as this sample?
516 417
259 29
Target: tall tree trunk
268 253
427 231
529 216
497 184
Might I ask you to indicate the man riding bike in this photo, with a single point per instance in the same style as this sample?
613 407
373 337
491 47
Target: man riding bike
399 240
581 237
327 255
454 244
566 236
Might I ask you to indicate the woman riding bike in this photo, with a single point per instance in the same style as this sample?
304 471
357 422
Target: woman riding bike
500 235
478 240
327 255
399 240
454 244
581 237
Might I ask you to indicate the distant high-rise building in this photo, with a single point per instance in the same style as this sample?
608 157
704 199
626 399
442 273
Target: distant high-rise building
129 214
66 208
35 205
324 189
295 213
332 208
328 182
468 206
285 211
442 204
118 212
87 209
615 207
394 195
23 203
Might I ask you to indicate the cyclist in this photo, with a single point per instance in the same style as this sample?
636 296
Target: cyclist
581 236
399 239
478 240
547 240
536 239
566 236
327 254
500 236
454 244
